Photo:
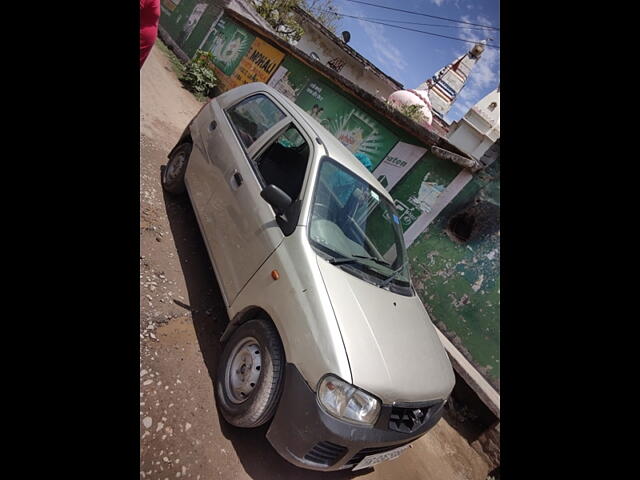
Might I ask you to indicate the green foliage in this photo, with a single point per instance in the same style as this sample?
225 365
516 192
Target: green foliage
325 12
414 112
198 77
176 64
279 14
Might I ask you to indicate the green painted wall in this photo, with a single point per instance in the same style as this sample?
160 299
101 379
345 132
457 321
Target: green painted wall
459 283
436 170
175 22
356 127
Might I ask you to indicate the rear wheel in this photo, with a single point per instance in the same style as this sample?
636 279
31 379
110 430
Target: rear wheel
250 373
173 173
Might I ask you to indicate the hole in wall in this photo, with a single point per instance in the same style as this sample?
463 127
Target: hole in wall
475 222
461 226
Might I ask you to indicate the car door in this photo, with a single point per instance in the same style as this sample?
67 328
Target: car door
239 227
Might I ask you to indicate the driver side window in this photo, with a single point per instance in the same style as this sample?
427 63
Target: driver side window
284 162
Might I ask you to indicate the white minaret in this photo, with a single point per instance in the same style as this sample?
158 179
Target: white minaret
447 83
479 128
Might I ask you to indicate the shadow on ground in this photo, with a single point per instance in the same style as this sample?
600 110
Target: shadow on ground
210 318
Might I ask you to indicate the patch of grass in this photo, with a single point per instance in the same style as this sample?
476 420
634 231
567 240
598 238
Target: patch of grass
189 73
176 63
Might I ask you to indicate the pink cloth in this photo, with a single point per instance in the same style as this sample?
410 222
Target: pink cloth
149 18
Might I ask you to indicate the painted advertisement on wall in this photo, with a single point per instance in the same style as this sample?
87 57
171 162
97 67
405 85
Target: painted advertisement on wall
418 191
239 56
357 130
291 77
188 22
192 21
230 43
258 64
398 162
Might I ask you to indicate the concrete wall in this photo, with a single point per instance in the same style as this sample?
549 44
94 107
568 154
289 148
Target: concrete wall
459 281
314 41
188 23
473 134
489 107
470 140
479 128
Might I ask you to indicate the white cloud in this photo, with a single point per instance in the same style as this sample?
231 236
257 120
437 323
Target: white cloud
439 3
384 50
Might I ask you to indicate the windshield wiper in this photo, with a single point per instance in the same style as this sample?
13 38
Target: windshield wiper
340 260
395 273
377 260
354 258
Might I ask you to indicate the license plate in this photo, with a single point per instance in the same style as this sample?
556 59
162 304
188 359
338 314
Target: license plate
372 460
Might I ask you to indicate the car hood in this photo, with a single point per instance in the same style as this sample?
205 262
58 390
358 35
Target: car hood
393 348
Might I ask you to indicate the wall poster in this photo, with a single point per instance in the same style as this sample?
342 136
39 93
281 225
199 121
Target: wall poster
239 56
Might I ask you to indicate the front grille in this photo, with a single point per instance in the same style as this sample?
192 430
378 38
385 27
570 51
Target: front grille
408 419
326 453
365 452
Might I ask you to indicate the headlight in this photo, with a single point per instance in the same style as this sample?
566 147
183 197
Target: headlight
344 401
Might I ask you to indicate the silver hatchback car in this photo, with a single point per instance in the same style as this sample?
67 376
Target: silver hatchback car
327 338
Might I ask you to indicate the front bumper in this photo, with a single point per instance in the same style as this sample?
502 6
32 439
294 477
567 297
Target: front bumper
308 437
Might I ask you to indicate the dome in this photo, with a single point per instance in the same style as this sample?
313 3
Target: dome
412 97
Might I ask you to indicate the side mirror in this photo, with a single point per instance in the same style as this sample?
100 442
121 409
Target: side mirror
275 197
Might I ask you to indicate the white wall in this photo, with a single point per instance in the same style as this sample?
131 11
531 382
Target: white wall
492 116
353 70
474 118
466 138
479 128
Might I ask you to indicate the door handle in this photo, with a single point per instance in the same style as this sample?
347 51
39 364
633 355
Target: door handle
235 180
213 125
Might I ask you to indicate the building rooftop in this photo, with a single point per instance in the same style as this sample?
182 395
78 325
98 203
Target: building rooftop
247 11
339 42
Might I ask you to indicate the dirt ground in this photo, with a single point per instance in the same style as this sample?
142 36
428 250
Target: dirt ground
182 316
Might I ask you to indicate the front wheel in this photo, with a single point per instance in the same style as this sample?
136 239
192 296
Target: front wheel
250 374
173 173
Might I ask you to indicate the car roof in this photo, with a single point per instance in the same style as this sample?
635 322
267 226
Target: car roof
335 149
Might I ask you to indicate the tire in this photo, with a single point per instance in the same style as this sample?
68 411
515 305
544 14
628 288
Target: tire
254 344
173 173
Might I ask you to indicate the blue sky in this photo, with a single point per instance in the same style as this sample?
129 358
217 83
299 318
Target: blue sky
412 57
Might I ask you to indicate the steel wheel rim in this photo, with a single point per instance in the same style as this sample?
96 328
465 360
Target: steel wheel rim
243 370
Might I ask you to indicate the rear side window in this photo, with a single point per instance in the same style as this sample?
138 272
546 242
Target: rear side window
253 116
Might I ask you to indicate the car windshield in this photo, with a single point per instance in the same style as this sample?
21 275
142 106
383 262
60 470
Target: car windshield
355 225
